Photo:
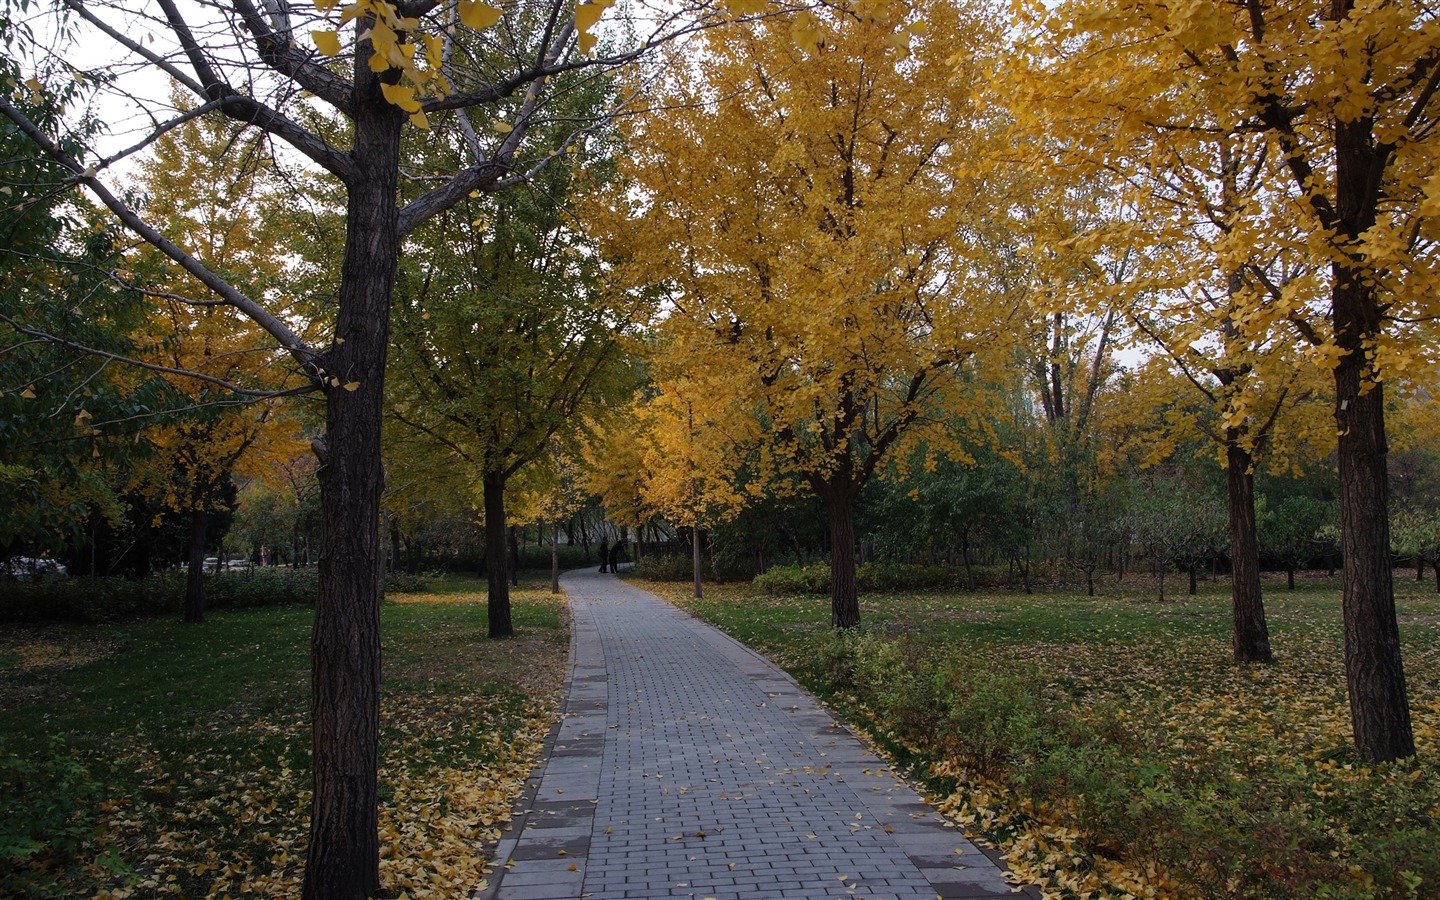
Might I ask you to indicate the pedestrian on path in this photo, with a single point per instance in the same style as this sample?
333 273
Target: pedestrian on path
604 554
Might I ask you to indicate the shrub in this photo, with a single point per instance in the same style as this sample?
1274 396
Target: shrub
877 576
47 806
811 579
117 599
666 567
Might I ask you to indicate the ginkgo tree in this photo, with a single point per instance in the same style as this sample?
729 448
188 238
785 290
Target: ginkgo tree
234 227
290 71
503 343
1343 96
806 195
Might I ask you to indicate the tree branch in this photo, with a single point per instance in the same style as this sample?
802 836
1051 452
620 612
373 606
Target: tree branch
292 62
153 367
288 339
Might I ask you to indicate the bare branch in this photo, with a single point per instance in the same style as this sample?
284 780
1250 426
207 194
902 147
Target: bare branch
292 62
233 104
308 387
288 339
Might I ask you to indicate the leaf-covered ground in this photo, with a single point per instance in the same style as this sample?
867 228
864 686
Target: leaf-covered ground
158 759
1110 746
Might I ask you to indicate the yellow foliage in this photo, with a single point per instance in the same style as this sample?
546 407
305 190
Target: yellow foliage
812 218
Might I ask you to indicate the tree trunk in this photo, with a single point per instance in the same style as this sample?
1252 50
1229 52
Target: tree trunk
195 577
1194 586
343 860
1379 711
844 589
497 566
695 559
514 533
1250 635
1290 577
555 558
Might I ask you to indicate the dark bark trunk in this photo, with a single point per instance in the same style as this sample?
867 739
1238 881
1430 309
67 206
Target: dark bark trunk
1290 577
195 577
555 559
844 589
1419 567
1194 586
695 560
343 859
394 548
496 563
1379 711
514 556
1250 635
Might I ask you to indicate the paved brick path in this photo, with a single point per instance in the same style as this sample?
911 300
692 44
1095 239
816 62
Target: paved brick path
689 766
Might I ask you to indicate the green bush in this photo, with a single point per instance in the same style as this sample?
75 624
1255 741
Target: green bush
118 599
666 567
810 579
1218 824
877 576
47 804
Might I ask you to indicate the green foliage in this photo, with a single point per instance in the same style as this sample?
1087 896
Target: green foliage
1110 747
667 567
116 599
46 815
171 758
814 578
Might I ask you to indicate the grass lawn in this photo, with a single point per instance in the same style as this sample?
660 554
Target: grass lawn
158 758
1111 747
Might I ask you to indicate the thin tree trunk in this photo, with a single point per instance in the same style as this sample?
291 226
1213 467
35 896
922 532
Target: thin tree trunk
555 558
844 589
496 564
195 577
514 533
343 860
695 559
1290 577
1250 635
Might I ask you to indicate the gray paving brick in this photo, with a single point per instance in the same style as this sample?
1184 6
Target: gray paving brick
688 766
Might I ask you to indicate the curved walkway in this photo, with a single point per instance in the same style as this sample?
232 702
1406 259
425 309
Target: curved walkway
689 766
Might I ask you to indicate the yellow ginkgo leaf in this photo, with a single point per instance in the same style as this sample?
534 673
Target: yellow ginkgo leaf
479 15
745 7
501 126
586 42
351 385
28 393
587 15
420 120
327 42
401 96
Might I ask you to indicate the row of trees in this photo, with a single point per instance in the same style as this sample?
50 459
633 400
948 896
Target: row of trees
873 254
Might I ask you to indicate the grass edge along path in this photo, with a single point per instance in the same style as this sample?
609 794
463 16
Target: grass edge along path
1110 748
151 758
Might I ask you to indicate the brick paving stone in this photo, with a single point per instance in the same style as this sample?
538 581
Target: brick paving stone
687 765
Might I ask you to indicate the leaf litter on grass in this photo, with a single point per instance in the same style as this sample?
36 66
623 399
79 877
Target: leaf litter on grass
220 806
1147 764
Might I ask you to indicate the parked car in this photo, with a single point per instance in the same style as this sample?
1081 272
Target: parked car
30 568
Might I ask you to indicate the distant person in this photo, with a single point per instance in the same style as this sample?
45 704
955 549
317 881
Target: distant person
604 555
615 554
